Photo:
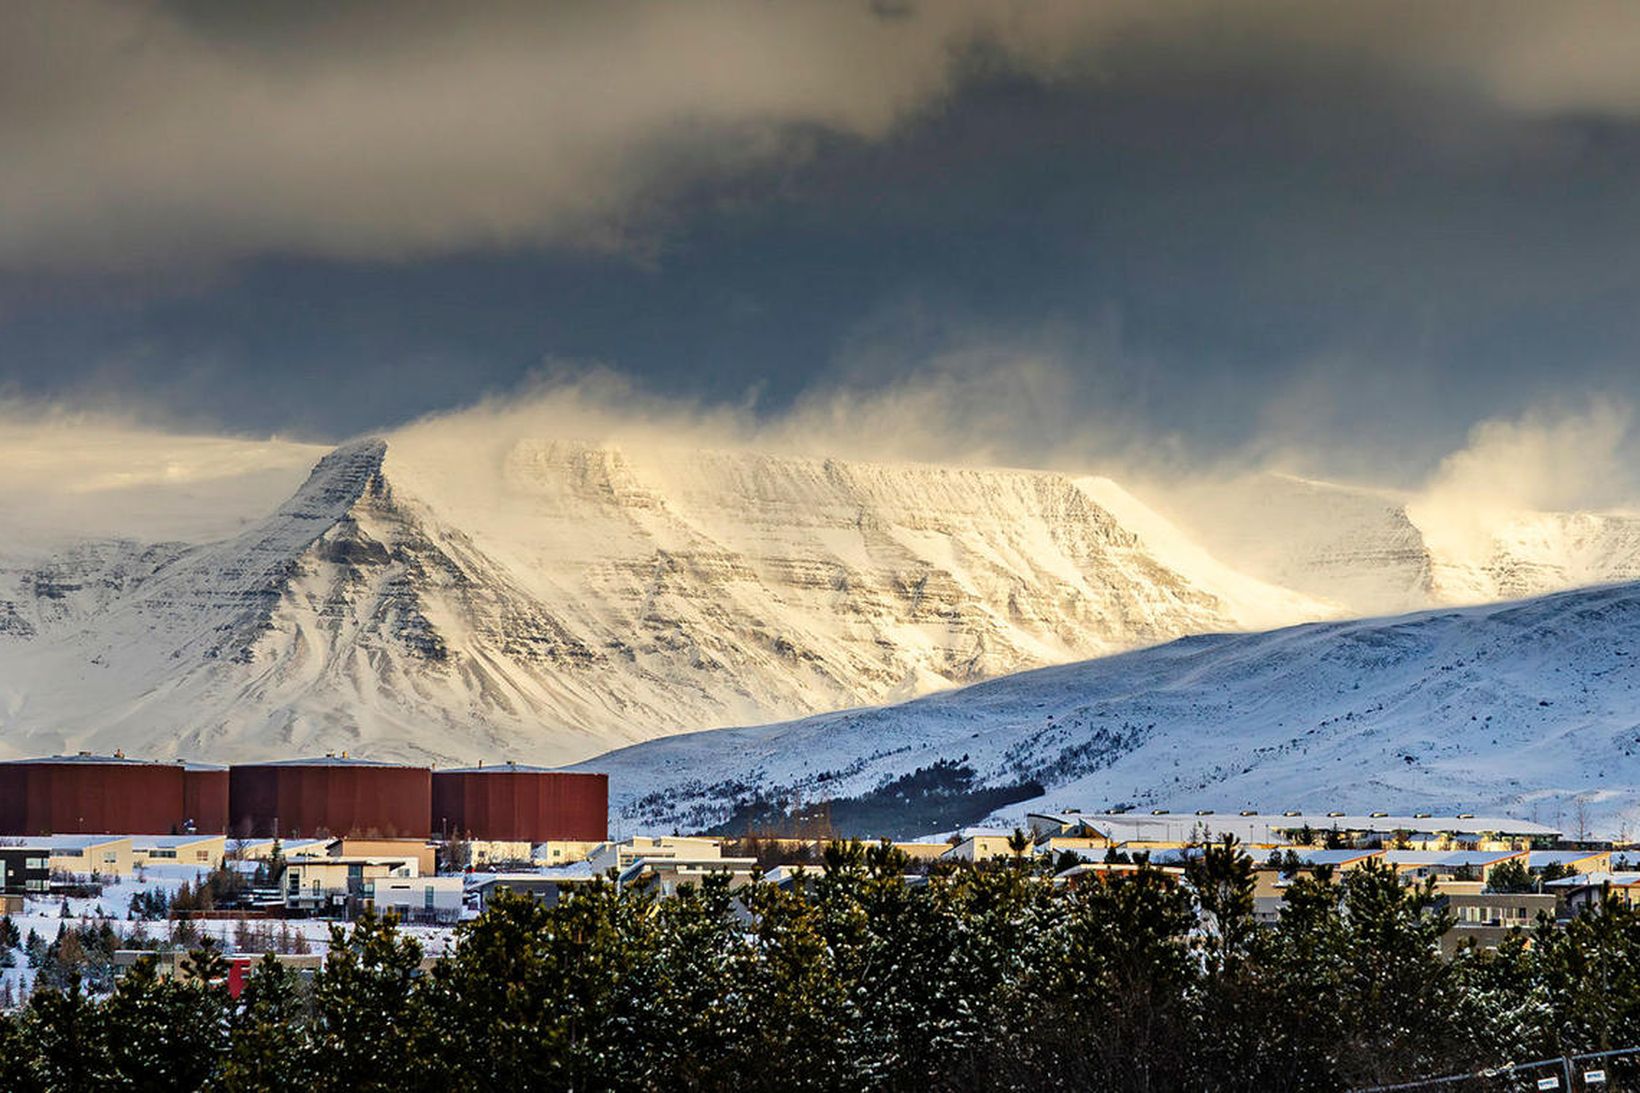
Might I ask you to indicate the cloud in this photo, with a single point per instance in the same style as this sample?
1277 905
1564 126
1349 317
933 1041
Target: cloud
1547 460
66 475
139 133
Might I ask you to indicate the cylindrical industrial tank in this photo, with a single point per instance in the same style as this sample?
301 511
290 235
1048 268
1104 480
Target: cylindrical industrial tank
511 803
89 794
310 798
205 798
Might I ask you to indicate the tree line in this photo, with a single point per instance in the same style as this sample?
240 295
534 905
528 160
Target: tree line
985 977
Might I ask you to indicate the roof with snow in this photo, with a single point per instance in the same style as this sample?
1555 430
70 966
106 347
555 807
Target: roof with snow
1596 880
75 842
1274 827
1333 857
168 842
331 761
1539 859
509 768
82 757
1458 858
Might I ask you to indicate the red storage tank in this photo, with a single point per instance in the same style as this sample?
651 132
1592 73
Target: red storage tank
510 803
309 798
89 794
205 798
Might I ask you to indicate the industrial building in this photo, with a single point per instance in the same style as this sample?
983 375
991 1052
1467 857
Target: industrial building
89 794
508 803
333 796
205 797
510 806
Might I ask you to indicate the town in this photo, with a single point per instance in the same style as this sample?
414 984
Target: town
227 852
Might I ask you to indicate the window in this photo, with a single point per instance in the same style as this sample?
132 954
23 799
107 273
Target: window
427 897
37 863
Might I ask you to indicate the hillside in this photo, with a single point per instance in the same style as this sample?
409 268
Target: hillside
1529 708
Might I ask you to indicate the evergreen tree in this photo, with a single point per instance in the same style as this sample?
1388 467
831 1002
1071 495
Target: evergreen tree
19 1068
1510 876
65 1031
268 1046
165 1033
367 1031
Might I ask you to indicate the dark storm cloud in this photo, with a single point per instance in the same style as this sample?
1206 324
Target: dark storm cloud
147 132
1353 230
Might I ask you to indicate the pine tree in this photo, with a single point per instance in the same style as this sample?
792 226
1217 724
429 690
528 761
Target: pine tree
166 1033
65 1031
269 1047
367 1028
19 1067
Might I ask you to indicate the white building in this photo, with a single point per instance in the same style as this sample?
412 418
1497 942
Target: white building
417 899
620 855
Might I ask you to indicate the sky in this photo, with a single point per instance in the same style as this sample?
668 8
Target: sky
1348 238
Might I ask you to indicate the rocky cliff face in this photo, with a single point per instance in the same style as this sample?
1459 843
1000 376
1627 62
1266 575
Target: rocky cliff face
548 599
583 598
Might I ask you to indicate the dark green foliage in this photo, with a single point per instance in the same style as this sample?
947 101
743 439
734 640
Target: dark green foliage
66 1047
937 797
268 1033
1510 876
367 1017
165 1033
987 977
221 887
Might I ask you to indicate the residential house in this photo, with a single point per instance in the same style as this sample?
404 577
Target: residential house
1577 861
547 888
89 855
1487 918
1590 889
418 899
25 870
323 884
424 852
667 875
983 845
1417 865
621 855
560 852
203 850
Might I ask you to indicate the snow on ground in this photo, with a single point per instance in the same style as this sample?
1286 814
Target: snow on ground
45 916
1531 709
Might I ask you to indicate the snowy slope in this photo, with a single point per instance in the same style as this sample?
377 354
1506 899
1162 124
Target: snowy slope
551 598
1522 708
1380 551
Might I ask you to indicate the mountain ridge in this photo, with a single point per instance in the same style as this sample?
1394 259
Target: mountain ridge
578 596
1531 708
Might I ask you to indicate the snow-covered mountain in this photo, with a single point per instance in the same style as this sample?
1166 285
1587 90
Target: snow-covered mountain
547 599
1528 708
1377 551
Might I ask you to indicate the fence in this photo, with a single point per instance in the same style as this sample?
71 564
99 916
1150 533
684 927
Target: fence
1616 1071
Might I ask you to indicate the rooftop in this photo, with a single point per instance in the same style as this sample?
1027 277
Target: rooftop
1264 827
167 842
84 757
1616 880
515 768
1450 857
329 761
